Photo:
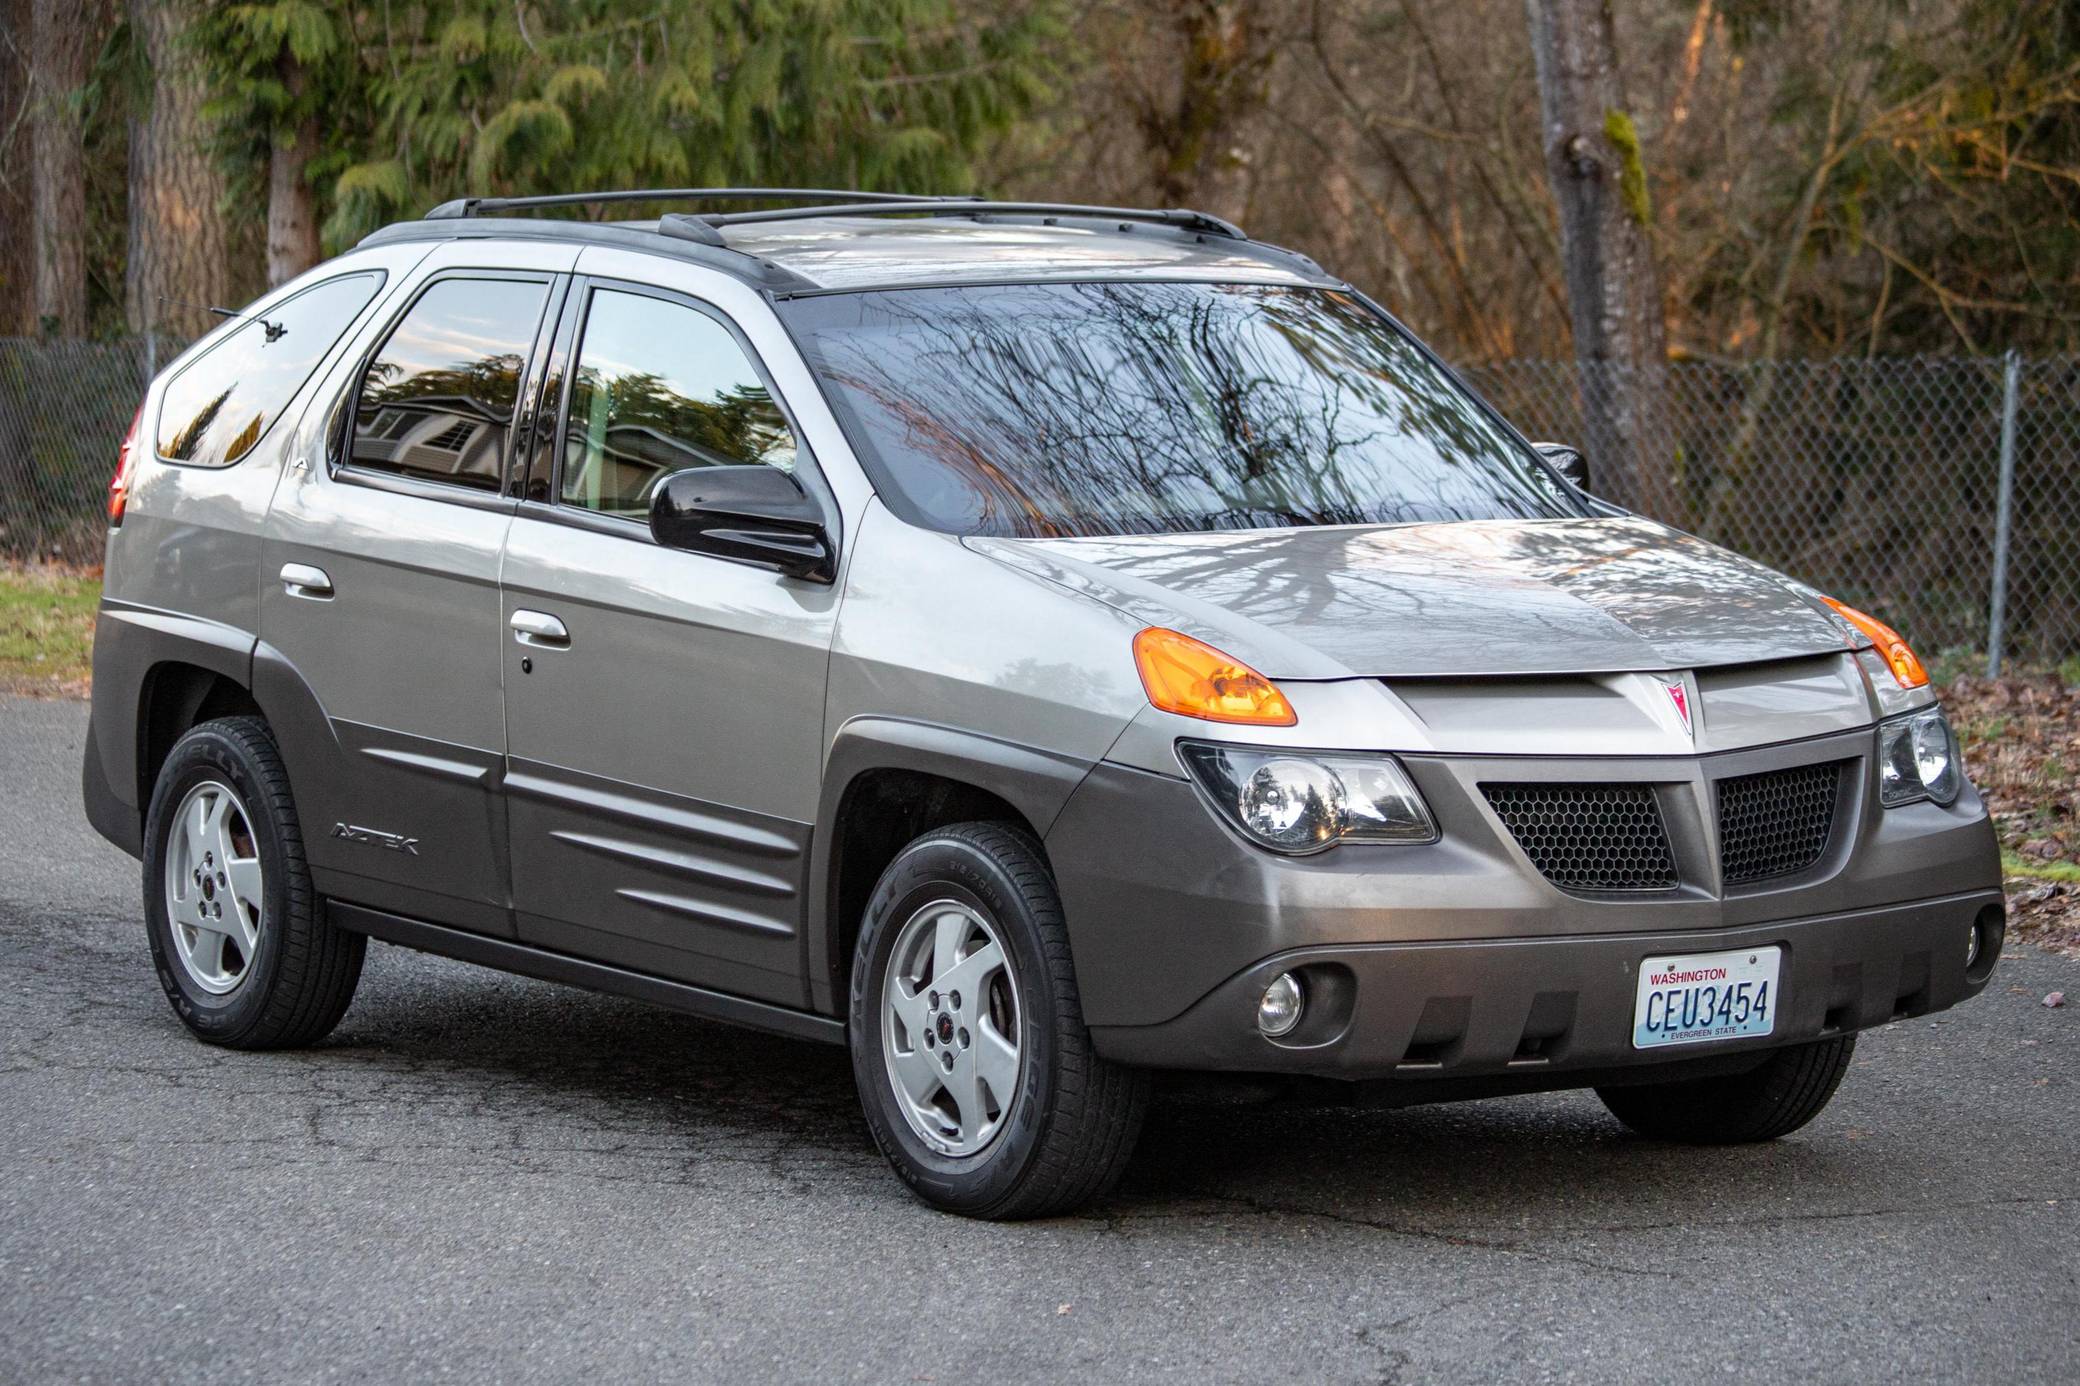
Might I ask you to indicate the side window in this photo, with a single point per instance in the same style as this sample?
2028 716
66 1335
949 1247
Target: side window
661 387
220 405
438 399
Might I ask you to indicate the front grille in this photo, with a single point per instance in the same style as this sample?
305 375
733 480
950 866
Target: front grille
1589 836
1777 823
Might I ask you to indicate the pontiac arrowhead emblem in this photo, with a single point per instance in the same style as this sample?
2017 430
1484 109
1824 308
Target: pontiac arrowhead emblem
1680 696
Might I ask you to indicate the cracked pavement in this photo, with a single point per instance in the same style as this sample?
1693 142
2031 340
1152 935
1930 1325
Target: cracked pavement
484 1177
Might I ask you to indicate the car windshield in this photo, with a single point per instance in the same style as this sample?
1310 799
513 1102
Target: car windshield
1069 409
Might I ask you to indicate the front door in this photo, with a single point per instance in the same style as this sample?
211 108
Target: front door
664 710
380 598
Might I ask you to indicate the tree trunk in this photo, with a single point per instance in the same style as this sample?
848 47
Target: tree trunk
179 248
15 233
1202 136
292 208
61 50
1598 176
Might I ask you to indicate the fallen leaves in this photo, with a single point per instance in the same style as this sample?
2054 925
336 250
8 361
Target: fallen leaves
2021 740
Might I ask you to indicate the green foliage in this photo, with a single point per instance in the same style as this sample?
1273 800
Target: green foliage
271 66
424 102
1943 141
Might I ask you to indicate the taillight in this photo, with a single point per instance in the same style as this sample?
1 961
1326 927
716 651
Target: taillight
126 465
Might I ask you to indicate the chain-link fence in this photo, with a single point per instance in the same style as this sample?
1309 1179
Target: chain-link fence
1879 481
64 407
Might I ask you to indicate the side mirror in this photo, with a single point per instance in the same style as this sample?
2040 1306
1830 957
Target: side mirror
754 514
1568 461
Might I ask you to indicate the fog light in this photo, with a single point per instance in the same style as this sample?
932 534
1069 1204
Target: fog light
1971 946
1279 1011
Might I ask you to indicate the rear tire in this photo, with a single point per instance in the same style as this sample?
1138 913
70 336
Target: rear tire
1788 1090
933 1065
221 835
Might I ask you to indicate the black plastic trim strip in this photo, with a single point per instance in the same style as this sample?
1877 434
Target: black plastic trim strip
505 956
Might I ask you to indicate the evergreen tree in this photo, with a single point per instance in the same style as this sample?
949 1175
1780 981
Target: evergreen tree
283 76
422 102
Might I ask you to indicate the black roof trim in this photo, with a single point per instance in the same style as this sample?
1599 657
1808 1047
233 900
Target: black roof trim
483 206
697 236
752 269
832 202
1183 218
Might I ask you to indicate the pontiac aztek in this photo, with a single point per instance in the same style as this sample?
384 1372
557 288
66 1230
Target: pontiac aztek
1038 647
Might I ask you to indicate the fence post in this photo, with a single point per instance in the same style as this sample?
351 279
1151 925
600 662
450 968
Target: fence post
2004 515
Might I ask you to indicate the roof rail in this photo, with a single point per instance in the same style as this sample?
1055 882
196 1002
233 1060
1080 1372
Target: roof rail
827 202
487 206
1181 217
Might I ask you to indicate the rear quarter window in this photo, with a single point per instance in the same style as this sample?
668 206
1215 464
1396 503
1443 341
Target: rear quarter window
221 405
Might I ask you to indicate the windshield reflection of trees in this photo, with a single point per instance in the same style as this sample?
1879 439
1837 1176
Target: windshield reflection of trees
1122 408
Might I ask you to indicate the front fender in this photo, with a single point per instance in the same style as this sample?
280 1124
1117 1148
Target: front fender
1035 782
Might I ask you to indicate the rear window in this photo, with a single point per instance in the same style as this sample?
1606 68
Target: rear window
221 405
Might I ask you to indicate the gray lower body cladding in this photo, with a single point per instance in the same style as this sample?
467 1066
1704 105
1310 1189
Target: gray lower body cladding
1523 1006
1463 959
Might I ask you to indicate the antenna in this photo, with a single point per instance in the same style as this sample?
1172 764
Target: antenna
275 331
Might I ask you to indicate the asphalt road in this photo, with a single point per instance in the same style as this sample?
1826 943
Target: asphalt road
481 1177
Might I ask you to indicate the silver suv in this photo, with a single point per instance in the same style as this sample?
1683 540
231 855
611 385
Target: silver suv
1034 646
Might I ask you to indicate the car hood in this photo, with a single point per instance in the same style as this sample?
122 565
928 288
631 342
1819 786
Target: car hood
1486 597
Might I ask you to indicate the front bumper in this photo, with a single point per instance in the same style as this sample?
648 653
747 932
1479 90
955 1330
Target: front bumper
1525 1006
1461 959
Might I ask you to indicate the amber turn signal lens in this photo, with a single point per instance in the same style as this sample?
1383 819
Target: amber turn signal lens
1892 647
1192 678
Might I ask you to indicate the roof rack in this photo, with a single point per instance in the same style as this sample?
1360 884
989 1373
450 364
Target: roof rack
1180 217
701 227
487 206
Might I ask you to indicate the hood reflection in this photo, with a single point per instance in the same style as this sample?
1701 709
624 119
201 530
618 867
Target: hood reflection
1476 597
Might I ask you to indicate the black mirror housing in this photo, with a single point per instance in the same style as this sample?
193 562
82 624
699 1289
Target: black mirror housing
1568 461
751 514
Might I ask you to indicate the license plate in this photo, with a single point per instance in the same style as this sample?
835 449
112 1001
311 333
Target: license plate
1706 996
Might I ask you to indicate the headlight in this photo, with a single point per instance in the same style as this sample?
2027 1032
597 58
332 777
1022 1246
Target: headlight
1917 759
1301 802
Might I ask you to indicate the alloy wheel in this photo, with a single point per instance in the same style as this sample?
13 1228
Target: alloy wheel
950 1031
213 888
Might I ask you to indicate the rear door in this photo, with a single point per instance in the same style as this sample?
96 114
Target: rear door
380 591
664 709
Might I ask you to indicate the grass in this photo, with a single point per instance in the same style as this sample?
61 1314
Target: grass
2014 865
46 629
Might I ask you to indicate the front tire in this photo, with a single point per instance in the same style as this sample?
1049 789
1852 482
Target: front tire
241 943
1785 1092
974 1066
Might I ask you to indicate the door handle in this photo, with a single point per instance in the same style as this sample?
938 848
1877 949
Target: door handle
540 629
302 580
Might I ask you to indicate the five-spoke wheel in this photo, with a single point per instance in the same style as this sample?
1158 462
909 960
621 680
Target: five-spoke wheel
975 1068
244 949
214 895
950 1027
